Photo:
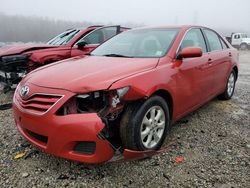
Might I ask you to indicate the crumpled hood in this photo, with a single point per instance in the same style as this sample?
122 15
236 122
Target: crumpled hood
21 48
88 74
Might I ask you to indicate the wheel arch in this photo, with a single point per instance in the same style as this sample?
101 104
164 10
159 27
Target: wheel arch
244 43
236 70
167 96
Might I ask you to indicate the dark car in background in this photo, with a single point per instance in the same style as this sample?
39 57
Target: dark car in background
17 60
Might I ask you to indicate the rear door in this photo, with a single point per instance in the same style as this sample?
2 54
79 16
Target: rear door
94 39
193 77
219 61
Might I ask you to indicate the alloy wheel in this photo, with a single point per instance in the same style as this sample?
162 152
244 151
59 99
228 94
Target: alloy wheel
152 127
230 84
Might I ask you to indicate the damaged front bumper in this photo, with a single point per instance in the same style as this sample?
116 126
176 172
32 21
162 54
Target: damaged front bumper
12 69
79 137
73 136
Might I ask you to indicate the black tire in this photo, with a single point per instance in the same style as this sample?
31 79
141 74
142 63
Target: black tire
226 95
244 46
131 123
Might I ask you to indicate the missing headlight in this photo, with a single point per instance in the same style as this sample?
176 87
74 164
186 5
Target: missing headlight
92 102
107 104
84 103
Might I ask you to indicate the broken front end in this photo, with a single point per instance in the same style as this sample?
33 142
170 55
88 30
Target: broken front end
12 69
108 106
82 127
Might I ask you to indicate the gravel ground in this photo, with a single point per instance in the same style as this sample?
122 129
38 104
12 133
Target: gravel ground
214 141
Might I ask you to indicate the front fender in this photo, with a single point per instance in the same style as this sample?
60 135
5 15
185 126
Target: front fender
144 84
44 59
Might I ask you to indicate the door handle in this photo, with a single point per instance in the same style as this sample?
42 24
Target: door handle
209 62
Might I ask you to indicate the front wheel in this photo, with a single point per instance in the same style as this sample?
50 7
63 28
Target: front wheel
229 91
243 46
144 125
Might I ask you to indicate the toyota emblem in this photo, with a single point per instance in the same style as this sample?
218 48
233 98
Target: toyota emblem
24 91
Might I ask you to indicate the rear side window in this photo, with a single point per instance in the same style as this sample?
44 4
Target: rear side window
194 38
213 40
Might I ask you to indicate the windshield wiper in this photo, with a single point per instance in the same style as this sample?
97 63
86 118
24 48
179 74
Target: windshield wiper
117 55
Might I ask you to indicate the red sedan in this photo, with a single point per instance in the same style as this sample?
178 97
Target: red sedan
120 101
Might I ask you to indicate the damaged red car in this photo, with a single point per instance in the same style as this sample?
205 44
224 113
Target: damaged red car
120 101
17 60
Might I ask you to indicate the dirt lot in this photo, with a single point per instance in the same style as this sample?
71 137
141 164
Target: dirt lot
214 141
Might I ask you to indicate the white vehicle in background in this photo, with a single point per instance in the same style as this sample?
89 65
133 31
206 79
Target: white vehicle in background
239 41
2 44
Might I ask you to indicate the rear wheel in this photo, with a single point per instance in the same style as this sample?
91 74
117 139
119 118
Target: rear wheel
144 125
229 91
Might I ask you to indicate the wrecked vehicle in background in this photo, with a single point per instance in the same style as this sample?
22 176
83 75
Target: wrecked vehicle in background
17 60
120 100
240 41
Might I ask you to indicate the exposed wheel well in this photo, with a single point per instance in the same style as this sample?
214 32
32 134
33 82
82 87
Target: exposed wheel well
236 71
244 43
166 95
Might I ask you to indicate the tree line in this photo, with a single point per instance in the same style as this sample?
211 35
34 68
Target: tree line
33 29
36 29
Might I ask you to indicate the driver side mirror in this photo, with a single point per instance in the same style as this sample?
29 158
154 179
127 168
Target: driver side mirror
189 52
81 44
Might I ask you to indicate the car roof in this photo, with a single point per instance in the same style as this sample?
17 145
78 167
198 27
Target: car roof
95 27
170 27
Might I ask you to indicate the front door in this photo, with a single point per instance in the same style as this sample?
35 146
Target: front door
193 79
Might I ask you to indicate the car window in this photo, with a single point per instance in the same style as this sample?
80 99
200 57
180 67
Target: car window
109 32
94 38
138 43
236 36
244 35
64 38
98 36
213 40
224 45
194 38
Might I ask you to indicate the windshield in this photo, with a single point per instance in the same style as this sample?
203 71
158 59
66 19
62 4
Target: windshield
243 35
64 38
145 43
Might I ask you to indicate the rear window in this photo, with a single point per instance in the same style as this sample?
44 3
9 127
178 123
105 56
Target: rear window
213 40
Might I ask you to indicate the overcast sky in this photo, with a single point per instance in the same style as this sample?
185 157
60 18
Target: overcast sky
213 13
